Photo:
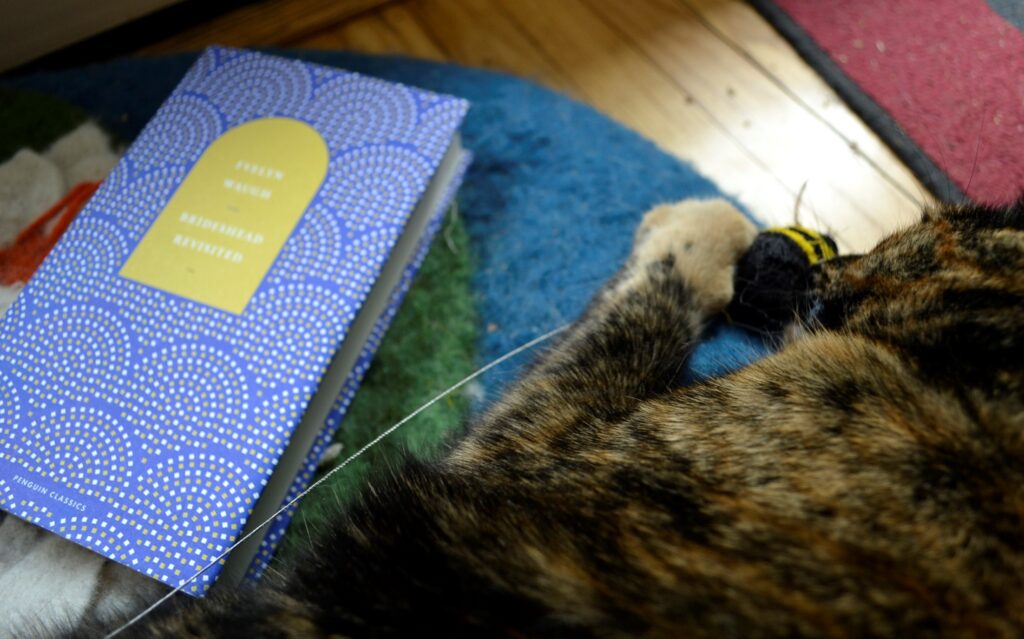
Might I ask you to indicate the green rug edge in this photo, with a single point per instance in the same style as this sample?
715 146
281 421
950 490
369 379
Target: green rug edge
430 346
34 120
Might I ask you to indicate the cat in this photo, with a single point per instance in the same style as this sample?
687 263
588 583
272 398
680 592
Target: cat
865 480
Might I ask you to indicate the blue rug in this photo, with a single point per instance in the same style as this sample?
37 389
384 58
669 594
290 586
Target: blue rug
550 201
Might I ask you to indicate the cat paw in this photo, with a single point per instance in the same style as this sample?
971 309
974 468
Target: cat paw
704 239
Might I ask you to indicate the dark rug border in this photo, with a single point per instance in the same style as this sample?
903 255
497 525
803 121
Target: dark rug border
933 177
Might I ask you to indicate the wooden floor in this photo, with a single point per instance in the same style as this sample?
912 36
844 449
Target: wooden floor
707 80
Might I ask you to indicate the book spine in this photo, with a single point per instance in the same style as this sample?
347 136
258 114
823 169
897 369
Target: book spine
277 528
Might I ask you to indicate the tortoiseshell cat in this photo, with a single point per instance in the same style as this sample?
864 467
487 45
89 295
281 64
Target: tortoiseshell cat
866 480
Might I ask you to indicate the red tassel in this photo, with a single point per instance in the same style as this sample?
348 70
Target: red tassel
20 260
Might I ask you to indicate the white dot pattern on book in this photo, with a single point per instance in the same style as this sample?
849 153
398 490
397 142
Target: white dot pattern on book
356 273
130 189
188 124
370 180
165 415
10 402
356 111
85 448
318 235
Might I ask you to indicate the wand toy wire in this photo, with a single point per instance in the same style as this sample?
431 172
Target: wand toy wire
480 371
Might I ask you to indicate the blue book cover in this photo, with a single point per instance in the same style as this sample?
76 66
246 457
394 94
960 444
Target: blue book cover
176 361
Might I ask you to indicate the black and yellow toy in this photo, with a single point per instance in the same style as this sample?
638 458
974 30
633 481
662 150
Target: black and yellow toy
772 276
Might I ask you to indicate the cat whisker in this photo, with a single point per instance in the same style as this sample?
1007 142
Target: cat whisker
977 149
796 204
309 536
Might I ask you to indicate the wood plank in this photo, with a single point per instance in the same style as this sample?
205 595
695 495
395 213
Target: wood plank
416 40
390 30
707 80
743 29
847 193
624 83
479 33
267 23
490 34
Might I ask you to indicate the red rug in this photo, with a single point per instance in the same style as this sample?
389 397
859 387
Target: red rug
942 81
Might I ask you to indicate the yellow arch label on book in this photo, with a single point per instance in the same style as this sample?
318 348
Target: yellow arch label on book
219 234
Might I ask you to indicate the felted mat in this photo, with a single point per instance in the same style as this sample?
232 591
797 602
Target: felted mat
546 214
941 81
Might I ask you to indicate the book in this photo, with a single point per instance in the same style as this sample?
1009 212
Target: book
173 370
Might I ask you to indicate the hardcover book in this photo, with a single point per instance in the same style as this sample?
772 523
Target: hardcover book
173 370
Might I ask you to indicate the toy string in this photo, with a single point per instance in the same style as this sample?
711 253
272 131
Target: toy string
480 371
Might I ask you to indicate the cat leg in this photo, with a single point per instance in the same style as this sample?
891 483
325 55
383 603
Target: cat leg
631 342
476 544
